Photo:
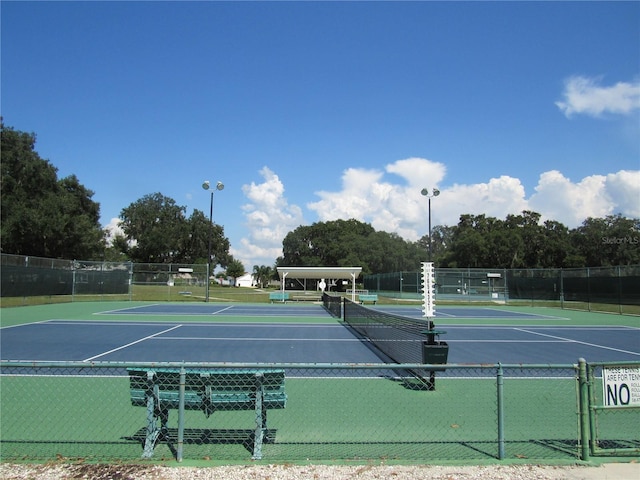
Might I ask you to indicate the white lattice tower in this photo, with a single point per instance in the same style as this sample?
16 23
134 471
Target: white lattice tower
428 290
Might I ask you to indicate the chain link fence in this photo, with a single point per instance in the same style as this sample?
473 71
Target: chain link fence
169 281
613 391
297 412
24 278
615 289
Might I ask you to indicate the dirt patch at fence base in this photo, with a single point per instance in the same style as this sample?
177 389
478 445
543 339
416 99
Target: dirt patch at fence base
618 471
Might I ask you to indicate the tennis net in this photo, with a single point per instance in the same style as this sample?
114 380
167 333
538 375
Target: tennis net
333 304
399 338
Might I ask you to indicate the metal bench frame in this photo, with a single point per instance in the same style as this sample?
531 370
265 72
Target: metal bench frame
162 389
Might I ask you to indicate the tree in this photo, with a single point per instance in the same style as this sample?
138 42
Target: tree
557 251
469 241
41 215
441 236
262 274
235 269
156 231
521 241
349 243
613 240
195 245
79 218
154 225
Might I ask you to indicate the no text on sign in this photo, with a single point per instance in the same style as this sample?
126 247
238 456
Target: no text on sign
621 386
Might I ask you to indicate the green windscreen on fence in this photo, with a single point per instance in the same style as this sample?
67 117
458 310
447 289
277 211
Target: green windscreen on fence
606 285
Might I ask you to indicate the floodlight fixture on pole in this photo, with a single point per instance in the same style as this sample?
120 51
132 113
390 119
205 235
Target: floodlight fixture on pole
434 193
206 185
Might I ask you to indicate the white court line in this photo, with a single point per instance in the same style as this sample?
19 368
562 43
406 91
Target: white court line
252 325
262 339
577 341
129 344
525 314
37 322
509 341
119 310
442 314
222 310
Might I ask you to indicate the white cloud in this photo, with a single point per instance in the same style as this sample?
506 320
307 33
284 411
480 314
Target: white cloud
496 198
558 198
269 218
388 206
623 188
391 206
362 195
113 229
402 209
584 95
417 172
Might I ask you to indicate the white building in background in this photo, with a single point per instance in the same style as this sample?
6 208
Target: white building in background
246 280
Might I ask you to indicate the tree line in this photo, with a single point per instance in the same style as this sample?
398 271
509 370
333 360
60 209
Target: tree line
477 241
42 215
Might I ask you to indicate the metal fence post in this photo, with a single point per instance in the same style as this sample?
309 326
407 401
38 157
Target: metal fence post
583 409
500 394
181 394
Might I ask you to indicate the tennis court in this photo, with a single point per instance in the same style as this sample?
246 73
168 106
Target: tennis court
306 334
69 396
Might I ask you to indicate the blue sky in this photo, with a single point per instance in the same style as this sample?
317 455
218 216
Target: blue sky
314 111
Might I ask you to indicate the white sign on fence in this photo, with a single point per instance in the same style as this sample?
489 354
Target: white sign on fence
621 386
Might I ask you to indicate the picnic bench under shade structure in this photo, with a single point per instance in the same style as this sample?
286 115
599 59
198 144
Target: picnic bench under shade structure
321 273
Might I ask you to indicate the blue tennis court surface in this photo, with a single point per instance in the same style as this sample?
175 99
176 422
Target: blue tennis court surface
276 310
327 342
224 310
467 312
195 342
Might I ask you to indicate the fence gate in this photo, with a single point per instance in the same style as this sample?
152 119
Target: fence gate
614 408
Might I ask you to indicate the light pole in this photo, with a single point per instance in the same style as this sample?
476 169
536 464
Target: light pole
434 193
219 186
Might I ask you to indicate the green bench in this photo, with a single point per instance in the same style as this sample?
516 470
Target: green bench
368 298
307 297
159 390
278 296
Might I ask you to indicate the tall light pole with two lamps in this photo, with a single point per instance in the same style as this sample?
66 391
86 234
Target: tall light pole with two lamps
434 193
219 186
